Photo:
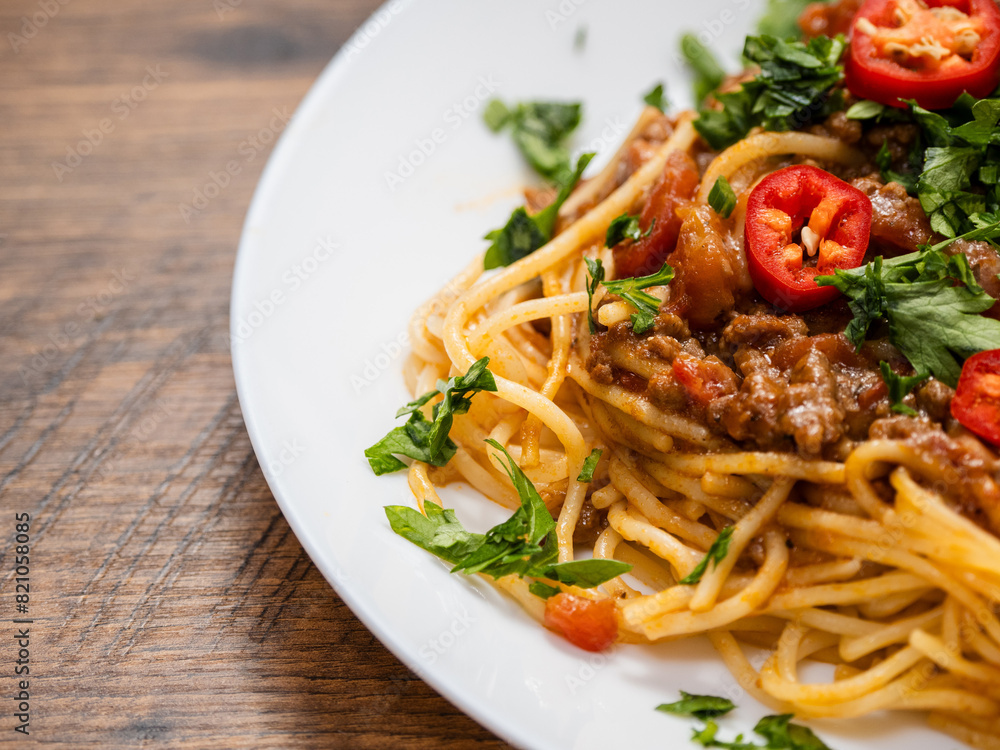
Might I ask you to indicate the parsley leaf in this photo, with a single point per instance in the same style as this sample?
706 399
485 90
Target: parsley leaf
708 74
543 590
438 532
523 545
587 471
958 186
716 554
647 306
699 706
524 233
427 440
656 98
780 19
540 130
781 733
899 386
933 322
596 268
721 197
625 227
794 87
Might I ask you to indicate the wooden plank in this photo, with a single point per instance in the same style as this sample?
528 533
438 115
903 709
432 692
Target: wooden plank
171 604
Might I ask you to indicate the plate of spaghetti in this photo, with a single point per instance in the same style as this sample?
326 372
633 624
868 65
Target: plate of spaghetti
701 440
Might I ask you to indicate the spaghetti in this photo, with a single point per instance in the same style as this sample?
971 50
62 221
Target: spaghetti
852 539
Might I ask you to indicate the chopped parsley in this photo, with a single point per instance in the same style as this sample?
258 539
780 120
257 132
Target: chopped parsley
524 233
540 130
899 386
780 18
778 730
721 197
716 554
700 706
427 440
795 86
959 187
708 74
587 471
656 98
625 227
596 268
933 321
523 545
631 290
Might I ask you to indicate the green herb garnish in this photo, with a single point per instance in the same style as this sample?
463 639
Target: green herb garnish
794 87
540 130
716 554
523 545
647 306
427 440
699 706
899 386
524 233
722 198
708 74
656 98
625 227
932 321
587 471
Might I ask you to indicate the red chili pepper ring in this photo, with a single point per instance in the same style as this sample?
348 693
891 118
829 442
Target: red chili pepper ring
802 222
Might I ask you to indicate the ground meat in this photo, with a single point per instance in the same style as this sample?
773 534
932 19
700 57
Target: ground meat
810 411
934 398
899 224
840 127
753 413
762 330
592 522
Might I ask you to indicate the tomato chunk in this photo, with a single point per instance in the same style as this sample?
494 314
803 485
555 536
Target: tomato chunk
675 188
976 404
704 380
586 623
801 223
927 50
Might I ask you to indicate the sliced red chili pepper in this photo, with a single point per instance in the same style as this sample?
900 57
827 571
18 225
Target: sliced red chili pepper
586 623
927 50
976 404
802 222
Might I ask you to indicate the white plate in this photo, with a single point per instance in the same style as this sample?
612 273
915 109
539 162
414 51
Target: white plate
379 192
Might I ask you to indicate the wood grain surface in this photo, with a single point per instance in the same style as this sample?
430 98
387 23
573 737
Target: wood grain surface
171 606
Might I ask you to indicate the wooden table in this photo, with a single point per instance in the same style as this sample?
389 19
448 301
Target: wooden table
170 604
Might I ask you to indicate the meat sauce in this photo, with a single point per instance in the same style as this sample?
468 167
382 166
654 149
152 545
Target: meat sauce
771 380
